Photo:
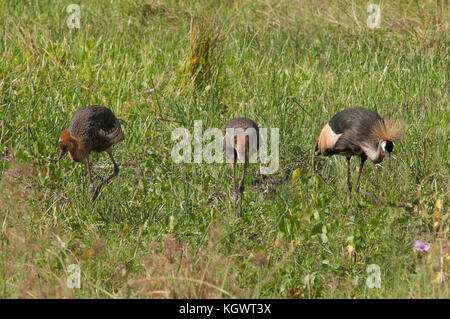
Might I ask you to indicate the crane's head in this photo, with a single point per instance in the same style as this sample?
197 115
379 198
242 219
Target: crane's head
386 132
386 149
66 143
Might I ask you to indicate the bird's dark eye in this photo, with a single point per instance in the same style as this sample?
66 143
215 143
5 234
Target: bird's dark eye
389 146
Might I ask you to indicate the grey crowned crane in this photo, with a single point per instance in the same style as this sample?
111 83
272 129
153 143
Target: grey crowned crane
241 142
358 131
93 128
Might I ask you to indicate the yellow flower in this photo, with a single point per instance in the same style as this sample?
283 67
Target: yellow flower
350 249
351 252
295 175
438 278
278 242
439 204
437 216
125 230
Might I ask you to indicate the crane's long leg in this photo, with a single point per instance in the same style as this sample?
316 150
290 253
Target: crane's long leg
234 183
91 183
363 160
372 195
241 188
348 181
114 173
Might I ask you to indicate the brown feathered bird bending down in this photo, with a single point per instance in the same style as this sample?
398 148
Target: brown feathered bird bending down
241 141
361 132
93 128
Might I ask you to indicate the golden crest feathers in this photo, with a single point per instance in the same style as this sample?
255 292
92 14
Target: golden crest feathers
387 130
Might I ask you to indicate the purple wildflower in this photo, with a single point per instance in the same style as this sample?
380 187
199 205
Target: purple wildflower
421 246
149 91
8 173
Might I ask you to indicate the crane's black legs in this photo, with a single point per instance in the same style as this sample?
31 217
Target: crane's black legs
234 183
241 183
241 188
363 160
372 195
114 173
91 183
349 195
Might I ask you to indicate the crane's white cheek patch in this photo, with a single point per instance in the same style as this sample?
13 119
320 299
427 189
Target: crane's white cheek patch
327 139
383 147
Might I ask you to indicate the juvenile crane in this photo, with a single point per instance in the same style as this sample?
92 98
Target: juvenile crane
241 141
361 132
93 128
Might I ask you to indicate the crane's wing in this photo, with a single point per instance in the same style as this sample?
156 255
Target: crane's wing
97 126
347 131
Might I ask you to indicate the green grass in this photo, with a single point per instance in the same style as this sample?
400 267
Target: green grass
162 229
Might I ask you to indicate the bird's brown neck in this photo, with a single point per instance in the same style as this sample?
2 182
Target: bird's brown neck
76 150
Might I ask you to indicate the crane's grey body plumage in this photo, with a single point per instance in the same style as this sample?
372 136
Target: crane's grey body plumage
250 146
351 132
241 145
353 126
92 128
96 127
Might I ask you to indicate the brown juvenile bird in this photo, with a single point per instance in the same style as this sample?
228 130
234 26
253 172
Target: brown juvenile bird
361 132
93 128
241 141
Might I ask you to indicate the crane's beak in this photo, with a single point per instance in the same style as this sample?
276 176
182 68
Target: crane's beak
388 157
63 152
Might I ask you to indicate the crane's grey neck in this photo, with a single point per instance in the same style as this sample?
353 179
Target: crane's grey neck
374 154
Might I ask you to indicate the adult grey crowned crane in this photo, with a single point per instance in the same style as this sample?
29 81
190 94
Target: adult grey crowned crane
241 141
93 128
361 132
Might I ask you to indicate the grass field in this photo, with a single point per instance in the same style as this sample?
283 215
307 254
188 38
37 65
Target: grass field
166 230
